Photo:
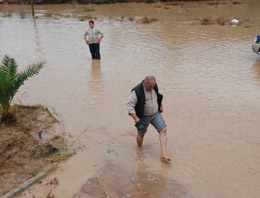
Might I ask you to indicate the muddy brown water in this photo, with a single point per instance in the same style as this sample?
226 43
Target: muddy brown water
209 76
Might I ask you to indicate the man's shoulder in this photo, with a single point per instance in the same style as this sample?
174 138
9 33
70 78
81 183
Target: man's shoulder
137 86
138 89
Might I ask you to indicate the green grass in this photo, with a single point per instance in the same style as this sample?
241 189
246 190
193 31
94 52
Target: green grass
84 17
48 15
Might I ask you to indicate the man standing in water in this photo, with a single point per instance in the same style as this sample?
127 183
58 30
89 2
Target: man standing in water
145 107
93 38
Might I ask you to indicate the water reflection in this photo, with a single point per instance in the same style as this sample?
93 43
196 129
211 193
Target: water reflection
142 174
146 180
156 183
96 77
37 40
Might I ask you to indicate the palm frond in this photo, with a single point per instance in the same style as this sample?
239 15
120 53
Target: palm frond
2 87
11 80
4 98
9 65
12 69
4 64
23 76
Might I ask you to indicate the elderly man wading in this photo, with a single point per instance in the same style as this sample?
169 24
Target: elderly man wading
93 38
145 107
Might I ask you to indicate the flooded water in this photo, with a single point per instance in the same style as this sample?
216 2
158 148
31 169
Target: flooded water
209 76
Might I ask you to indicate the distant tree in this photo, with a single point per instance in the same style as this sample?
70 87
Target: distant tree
10 82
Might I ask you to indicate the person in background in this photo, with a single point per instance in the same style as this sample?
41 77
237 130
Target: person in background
257 39
93 38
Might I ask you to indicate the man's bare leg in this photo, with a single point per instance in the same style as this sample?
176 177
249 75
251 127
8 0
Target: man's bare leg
139 140
163 142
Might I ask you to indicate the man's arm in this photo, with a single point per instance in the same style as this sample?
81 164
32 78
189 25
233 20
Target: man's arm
85 37
101 34
100 39
132 100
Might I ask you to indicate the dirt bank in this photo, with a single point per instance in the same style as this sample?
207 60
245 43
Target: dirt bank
22 153
91 1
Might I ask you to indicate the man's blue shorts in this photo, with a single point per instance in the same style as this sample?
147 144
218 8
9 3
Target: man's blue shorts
156 120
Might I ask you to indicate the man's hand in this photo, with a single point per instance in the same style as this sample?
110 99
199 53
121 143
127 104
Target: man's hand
136 120
86 40
100 39
161 109
134 116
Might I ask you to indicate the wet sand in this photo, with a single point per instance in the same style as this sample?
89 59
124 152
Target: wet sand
113 181
208 74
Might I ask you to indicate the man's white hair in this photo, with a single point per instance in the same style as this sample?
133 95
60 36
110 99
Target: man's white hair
149 78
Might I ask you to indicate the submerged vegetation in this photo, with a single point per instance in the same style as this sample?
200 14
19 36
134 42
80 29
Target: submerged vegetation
6 14
48 15
75 16
210 21
146 20
221 21
84 17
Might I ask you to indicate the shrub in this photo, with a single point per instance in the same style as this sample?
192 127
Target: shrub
146 20
131 18
84 17
206 21
236 2
221 21
48 15
150 1
11 81
105 1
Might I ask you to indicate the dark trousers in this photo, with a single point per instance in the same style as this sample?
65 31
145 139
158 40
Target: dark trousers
94 50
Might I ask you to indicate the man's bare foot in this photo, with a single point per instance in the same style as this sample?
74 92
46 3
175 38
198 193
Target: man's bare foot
165 158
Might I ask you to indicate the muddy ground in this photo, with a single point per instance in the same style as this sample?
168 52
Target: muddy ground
113 181
22 153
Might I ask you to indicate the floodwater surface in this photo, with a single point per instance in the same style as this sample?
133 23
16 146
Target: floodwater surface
209 76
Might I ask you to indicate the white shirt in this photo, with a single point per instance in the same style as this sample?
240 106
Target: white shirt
150 106
93 34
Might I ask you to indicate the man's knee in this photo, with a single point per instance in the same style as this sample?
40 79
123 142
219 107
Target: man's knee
164 131
140 135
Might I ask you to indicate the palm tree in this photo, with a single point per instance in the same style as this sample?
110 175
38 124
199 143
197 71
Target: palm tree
10 82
